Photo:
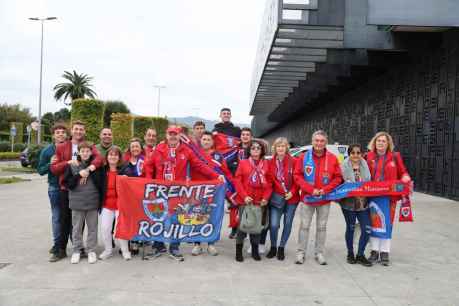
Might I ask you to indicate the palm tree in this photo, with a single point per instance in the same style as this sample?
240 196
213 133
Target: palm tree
78 87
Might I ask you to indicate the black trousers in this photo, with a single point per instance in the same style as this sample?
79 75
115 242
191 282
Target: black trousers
65 219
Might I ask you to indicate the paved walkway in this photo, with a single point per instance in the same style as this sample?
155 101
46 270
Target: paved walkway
425 268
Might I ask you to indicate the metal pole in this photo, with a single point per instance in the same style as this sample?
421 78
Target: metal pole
41 80
159 98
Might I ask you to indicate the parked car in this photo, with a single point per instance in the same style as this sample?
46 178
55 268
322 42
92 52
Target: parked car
24 158
339 150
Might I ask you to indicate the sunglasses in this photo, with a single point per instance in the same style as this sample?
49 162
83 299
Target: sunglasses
356 153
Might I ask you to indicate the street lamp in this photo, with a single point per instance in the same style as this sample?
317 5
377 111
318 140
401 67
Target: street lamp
159 94
42 20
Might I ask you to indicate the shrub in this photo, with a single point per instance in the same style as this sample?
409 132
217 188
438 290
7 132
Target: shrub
91 112
5 146
19 147
122 129
9 155
160 125
141 124
34 154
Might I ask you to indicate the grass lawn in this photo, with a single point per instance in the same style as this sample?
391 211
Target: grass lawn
17 169
11 180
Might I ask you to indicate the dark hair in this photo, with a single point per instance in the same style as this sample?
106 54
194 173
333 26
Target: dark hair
225 109
118 151
247 129
59 126
352 146
262 145
199 123
78 122
208 133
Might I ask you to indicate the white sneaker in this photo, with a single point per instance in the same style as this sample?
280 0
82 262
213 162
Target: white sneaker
126 255
212 250
75 258
249 249
261 249
105 255
197 250
321 259
299 258
92 257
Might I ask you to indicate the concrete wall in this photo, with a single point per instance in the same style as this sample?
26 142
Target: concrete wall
418 103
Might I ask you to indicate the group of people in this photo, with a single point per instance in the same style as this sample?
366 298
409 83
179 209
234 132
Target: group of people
82 188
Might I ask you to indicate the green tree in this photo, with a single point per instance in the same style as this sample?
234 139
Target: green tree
114 107
77 87
47 121
62 115
13 113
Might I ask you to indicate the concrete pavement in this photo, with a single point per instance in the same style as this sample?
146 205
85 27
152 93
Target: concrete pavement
424 271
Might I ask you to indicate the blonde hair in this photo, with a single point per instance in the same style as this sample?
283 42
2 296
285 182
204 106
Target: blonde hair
278 141
390 141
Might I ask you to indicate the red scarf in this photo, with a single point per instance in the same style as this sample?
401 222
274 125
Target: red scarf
169 165
286 184
257 177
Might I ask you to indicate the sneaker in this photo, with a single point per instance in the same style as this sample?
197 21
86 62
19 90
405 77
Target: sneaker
52 250
92 257
361 259
58 256
126 255
134 248
249 250
374 257
197 250
177 256
385 259
351 259
321 259
158 251
105 255
299 258
212 250
75 258
261 249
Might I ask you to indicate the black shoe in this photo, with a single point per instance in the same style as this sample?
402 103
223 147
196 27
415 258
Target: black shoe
233 233
272 252
239 256
52 250
351 259
374 257
385 259
113 243
361 259
255 253
83 253
60 254
280 253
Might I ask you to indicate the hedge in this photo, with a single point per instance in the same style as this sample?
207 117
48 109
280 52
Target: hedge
9 155
122 126
141 125
5 146
91 112
160 125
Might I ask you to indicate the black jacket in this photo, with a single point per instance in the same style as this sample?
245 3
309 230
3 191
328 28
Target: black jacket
227 128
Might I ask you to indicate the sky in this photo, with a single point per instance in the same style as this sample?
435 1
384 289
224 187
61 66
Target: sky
203 51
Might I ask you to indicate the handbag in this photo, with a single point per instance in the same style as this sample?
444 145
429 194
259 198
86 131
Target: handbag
277 200
251 220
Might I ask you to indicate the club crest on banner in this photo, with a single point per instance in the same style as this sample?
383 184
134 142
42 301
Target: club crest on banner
155 209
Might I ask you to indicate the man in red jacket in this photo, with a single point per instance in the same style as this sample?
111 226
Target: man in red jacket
317 172
66 154
150 141
173 161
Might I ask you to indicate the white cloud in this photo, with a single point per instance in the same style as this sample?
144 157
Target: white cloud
202 50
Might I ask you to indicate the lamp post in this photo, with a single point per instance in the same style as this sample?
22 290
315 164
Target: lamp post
159 87
42 20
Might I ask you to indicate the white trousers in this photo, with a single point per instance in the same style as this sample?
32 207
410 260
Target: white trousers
106 220
380 245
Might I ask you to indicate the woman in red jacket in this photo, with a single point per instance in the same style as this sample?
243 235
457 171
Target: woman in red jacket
384 165
284 198
253 188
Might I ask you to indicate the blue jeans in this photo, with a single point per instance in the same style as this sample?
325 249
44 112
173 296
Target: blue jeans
53 194
364 220
289 212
